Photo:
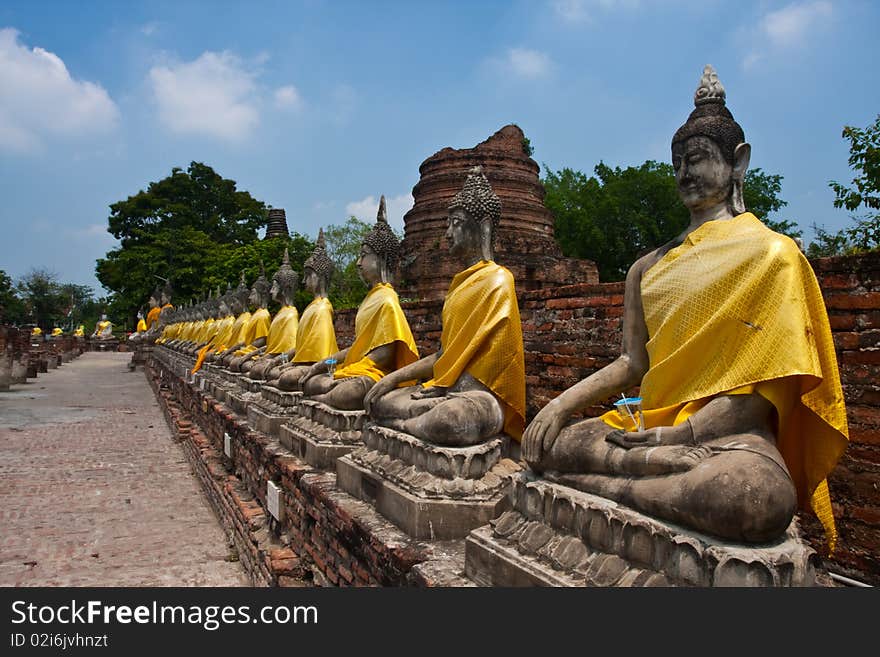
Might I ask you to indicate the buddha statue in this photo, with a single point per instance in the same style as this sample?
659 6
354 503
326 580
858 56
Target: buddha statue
383 341
141 323
211 324
217 332
56 332
283 330
80 331
103 329
257 331
726 334
474 386
315 337
234 337
153 314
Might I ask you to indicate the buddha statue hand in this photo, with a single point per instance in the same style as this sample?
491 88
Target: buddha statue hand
381 388
427 393
542 431
680 434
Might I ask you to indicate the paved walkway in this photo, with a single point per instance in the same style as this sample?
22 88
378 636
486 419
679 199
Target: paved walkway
93 492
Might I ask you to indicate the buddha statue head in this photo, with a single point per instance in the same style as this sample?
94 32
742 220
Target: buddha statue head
259 295
709 152
155 295
380 251
474 215
239 299
318 268
284 282
165 295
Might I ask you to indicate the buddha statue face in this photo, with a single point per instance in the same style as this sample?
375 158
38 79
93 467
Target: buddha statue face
311 280
462 233
370 266
254 297
703 176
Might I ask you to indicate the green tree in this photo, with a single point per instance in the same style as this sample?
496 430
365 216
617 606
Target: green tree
183 227
344 241
618 214
864 193
43 301
12 310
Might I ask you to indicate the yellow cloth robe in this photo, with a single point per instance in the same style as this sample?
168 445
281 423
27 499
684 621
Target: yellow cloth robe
737 309
221 330
153 317
141 327
482 336
102 326
316 337
37 331
57 331
80 332
379 321
257 327
283 330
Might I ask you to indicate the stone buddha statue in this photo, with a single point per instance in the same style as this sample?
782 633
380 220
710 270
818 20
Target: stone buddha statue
257 331
383 341
233 332
726 334
237 302
103 329
316 337
215 333
153 314
80 331
474 386
283 330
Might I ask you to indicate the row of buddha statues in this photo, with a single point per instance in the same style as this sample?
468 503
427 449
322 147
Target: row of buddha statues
724 332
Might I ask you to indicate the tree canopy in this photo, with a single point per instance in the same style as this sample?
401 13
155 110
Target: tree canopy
862 193
618 214
40 298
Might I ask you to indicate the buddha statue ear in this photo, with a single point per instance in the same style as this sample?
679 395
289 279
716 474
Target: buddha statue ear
741 156
486 239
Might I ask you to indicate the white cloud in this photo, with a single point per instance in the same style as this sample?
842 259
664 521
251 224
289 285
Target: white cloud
789 25
213 95
395 208
582 11
287 97
41 100
529 64
149 29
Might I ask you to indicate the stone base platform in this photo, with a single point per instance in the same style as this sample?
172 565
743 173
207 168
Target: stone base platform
558 536
319 434
429 491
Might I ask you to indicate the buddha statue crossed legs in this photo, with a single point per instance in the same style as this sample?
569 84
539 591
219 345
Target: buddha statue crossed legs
474 386
744 413
383 341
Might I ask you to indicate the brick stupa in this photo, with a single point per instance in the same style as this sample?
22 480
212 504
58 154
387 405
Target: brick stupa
525 241
277 226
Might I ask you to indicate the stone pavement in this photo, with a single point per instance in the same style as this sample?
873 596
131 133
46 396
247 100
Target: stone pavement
94 492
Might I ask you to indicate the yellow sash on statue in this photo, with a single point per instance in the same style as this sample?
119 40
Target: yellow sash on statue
737 308
316 337
257 327
153 317
283 330
379 321
221 330
482 336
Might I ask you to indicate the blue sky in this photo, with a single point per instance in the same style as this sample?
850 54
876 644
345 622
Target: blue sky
319 107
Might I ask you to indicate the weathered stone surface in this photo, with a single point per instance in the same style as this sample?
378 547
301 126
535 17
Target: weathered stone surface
555 535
